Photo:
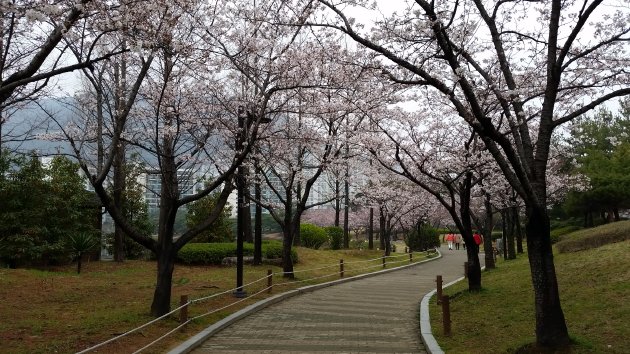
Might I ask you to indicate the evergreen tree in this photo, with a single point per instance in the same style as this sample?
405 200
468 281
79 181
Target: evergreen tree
600 148
221 229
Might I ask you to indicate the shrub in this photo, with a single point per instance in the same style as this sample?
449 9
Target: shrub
273 250
312 236
335 236
213 253
422 238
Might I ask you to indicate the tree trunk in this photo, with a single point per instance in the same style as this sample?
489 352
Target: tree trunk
337 202
118 197
371 230
609 216
79 263
511 246
346 209
616 214
551 329
504 234
381 231
388 237
474 267
258 227
162 295
487 233
465 227
519 232
287 243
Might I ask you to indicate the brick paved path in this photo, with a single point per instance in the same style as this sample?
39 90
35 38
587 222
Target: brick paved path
373 315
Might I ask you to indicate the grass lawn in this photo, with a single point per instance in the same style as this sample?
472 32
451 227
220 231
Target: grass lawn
594 290
58 311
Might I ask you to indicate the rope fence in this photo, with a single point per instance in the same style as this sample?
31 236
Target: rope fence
185 303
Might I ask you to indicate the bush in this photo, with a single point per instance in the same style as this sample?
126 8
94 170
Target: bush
213 253
335 236
312 236
422 238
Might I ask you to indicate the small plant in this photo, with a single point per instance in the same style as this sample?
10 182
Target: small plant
79 244
312 236
335 236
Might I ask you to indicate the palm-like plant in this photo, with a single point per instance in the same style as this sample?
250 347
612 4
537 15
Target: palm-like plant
79 243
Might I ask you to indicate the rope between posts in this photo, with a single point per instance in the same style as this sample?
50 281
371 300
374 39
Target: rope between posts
194 318
364 261
227 291
162 337
308 270
229 305
309 279
133 330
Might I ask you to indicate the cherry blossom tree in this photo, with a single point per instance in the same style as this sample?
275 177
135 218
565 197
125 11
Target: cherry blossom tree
401 204
439 155
176 115
514 71
33 48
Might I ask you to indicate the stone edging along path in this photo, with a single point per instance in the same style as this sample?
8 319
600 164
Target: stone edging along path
202 336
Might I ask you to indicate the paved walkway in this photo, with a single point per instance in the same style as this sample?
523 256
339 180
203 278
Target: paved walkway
372 315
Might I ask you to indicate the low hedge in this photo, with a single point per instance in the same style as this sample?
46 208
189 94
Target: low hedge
213 253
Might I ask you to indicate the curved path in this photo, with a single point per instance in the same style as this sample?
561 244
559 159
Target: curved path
378 314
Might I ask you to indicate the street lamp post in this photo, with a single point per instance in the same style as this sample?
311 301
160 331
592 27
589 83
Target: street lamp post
240 213
242 209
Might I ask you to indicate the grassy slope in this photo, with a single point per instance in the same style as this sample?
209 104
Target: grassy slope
63 312
594 290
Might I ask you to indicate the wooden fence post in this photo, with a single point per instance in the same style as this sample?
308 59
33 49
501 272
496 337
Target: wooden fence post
183 312
341 268
446 315
438 282
269 280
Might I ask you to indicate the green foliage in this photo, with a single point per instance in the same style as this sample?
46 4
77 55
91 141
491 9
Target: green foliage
335 236
213 253
312 236
81 243
135 210
40 207
600 148
221 228
422 237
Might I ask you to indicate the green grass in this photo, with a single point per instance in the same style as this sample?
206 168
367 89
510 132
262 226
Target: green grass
594 237
594 290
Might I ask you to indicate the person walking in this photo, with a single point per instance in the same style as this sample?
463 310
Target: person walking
449 240
458 240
